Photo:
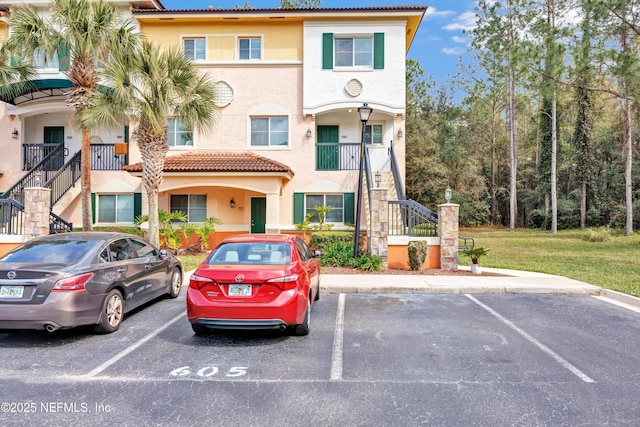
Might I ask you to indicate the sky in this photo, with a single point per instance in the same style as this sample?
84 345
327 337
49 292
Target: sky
438 45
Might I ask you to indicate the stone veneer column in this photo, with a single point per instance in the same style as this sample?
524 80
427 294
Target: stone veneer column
448 232
378 237
36 212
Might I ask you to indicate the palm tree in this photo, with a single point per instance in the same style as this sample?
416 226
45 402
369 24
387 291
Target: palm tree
151 86
14 78
83 34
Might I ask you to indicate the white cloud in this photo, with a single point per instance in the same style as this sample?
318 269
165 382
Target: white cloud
466 21
432 12
453 50
459 39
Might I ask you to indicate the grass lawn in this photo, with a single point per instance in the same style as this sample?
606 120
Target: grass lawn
612 265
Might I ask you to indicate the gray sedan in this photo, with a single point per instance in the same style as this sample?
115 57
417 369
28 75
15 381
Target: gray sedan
66 280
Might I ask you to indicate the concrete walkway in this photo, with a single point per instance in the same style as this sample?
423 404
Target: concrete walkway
512 282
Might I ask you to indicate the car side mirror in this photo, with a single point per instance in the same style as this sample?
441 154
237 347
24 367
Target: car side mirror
163 253
318 254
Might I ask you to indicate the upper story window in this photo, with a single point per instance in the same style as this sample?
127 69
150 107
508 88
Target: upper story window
352 51
373 134
194 48
269 131
42 62
179 135
249 48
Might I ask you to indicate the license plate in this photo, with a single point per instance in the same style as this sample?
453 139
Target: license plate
240 290
11 291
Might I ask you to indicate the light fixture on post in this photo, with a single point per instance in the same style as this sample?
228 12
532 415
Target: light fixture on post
37 179
447 195
232 203
400 133
378 179
14 134
365 113
309 133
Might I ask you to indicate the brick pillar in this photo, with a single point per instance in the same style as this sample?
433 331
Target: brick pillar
448 232
378 235
36 209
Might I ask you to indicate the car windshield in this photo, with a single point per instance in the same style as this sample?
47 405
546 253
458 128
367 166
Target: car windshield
51 251
265 253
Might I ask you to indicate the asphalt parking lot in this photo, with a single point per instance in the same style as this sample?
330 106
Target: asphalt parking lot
369 360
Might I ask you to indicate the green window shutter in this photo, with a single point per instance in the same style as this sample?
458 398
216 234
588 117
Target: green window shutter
137 205
378 51
349 216
93 208
327 51
64 60
126 133
298 208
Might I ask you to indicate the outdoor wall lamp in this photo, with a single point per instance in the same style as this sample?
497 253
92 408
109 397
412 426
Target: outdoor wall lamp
308 133
447 195
399 133
14 134
378 178
37 179
232 203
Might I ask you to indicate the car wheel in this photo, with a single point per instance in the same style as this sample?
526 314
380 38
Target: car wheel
303 329
176 283
317 294
199 329
112 312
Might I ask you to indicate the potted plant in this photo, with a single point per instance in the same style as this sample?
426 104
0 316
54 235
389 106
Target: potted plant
474 254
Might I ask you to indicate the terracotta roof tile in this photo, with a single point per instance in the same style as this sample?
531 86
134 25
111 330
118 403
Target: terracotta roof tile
195 161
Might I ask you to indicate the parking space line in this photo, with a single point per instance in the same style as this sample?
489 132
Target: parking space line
535 342
131 348
338 338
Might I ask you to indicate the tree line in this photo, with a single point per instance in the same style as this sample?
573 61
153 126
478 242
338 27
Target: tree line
546 135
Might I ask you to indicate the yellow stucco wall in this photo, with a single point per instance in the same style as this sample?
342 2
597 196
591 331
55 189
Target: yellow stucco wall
282 41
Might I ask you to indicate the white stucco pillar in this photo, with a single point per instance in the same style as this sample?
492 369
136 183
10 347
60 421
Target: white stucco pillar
272 223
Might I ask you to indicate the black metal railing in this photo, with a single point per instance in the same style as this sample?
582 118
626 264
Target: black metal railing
410 218
64 179
11 217
38 174
104 158
334 156
395 170
58 225
32 154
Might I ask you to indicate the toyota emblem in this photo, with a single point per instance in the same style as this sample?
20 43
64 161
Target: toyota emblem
11 275
239 278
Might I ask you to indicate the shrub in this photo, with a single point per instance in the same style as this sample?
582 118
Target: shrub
602 234
425 230
417 250
322 239
337 254
367 262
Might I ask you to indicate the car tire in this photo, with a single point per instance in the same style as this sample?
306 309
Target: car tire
199 329
303 329
112 313
176 283
317 294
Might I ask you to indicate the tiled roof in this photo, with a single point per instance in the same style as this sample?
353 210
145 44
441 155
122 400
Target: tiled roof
280 10
195 161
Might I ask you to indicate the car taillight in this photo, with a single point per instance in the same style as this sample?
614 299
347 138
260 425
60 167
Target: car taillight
197 282
286 283
73 283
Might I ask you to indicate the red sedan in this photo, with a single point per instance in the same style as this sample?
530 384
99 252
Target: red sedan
255 281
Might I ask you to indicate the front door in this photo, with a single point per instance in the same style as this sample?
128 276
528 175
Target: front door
53 136
258 214
327 148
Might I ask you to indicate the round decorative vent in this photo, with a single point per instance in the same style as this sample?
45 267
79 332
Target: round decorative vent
353 87
224 94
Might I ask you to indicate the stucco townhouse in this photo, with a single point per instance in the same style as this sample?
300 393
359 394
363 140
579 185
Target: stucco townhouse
289 85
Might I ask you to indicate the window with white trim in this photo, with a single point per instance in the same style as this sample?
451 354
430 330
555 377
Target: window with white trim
194 48
115 208
354 52
373 134
336 214
179 134
269 131
249 48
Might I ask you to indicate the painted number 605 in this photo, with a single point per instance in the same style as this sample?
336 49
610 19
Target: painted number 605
208 371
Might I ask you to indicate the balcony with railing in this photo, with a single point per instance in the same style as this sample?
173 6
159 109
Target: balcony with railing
335 156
